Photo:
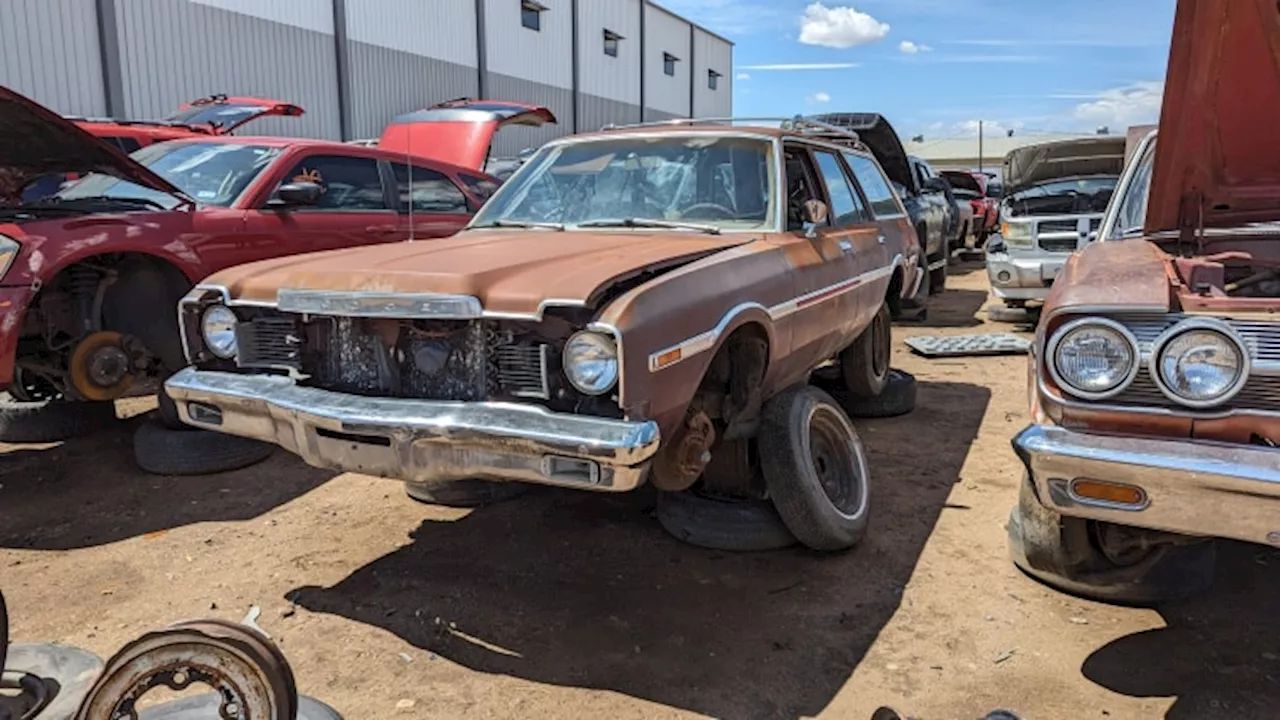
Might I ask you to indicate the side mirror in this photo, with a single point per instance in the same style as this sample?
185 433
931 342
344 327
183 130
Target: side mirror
296 194
814 214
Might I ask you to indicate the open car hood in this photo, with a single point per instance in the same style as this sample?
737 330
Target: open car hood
962 181
222 114
1035 164
1215 164
459 131
879 137
36 141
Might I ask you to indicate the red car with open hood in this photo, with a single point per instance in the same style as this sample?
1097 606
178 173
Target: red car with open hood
90 276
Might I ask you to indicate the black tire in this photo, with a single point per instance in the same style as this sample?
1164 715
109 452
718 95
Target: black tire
938 278
53 421
1062 552
730 524
464 493
162 451
808 448
864 365
916 308
898 398
167 412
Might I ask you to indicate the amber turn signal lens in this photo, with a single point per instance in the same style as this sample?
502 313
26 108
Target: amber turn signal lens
1117 493
668 357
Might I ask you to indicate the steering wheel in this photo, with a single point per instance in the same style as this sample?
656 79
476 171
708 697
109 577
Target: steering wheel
725 213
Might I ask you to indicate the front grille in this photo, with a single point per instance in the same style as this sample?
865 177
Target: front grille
522 370
1066 245
1045 226
269 341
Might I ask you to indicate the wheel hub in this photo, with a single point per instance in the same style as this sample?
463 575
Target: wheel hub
837 466
102 366
108 366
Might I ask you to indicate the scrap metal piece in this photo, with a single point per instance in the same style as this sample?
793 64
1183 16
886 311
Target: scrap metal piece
968 345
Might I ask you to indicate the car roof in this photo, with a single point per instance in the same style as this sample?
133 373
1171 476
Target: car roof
348 149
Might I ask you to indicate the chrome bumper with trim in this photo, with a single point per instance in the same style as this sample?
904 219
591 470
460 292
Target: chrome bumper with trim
1022 278
419 440
1192 487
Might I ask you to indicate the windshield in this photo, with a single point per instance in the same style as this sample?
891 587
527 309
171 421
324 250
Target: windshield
211 173
218 115
1064 197
705 180
1132 212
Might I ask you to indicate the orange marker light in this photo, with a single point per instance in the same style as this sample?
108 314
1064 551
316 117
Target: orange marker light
668 357
1117 493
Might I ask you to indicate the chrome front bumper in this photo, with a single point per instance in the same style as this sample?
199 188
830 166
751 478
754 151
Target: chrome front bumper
1014 277
1193 487
419 440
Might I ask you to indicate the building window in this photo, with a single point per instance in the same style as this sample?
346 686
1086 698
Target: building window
611 43
669 63
713 79
531 14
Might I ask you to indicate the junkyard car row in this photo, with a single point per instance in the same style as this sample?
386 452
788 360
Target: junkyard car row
701 306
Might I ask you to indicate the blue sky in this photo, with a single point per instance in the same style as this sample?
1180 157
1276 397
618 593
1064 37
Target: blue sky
936 67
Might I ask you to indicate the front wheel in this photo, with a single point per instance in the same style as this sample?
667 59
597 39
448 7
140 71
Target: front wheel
815 468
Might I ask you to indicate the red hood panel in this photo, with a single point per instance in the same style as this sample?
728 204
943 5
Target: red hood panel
36 141
1216 162
458 132
222 114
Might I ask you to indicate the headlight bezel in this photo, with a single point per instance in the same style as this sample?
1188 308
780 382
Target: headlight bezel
1061 334
605 340
211 345
1209 325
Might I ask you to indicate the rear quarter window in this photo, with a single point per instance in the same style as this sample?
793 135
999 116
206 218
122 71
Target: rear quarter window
874 185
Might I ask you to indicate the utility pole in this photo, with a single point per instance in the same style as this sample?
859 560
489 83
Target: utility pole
979 146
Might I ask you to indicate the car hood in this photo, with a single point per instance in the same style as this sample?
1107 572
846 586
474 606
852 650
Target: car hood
509 271
879 137
1036 164
1222 94
36 141
962 181
458 132
222 114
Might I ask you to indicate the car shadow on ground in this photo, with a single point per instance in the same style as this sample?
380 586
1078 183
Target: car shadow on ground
1218 654
87 492
585 590
961 266
955 309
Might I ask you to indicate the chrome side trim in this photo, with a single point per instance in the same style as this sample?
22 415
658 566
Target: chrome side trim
706 340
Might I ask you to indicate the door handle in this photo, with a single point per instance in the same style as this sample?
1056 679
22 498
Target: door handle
846 246
381 229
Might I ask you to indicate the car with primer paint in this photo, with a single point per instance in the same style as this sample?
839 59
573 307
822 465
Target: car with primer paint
643 304
89 276
1055 194
1154 373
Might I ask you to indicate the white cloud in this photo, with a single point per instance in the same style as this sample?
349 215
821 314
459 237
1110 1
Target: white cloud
839 27
744 76
819 97
802 66
911 48
1119 108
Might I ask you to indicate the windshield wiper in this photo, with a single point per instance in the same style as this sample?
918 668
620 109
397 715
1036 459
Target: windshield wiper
647 223
518 224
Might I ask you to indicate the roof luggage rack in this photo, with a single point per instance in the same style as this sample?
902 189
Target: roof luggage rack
798 124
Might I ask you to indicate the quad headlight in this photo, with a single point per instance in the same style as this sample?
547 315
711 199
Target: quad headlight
1093 358
1199 363
218 328
591 362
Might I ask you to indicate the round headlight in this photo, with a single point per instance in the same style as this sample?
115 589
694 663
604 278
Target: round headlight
218 326
1198 365
591 362
1093 358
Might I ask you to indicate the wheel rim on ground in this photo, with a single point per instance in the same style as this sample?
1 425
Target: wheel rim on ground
840 466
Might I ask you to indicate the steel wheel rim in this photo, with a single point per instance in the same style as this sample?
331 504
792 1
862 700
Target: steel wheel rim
837 460
880 346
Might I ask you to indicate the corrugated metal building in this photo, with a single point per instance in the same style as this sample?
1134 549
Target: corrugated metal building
354 64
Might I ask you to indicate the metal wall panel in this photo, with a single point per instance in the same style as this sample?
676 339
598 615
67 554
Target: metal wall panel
601 75
49 51
440 29
386 83
542 56
712 53
666 33
172 51
595 112
513 139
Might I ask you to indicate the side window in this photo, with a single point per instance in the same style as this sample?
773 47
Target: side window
802 185
428 190
922 175
126 144
846 206
874 184
346 183
481 187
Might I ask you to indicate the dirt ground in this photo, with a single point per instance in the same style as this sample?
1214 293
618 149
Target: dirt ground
567 604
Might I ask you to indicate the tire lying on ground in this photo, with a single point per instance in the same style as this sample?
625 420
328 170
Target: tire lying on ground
45 422
464 493
897 398
815 468
163 451
167 412
722 524
1068 554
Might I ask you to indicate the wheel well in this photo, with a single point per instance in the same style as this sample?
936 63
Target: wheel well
893 296
731 389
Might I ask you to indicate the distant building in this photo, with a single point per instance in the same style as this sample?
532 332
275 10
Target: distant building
965 153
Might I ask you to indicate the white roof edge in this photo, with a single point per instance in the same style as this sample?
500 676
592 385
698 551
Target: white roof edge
691 23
